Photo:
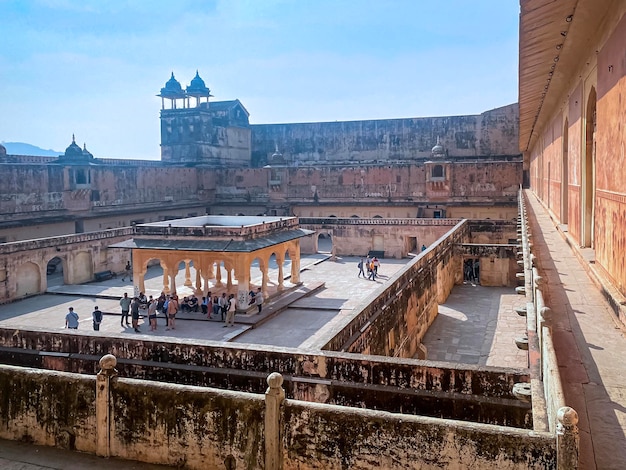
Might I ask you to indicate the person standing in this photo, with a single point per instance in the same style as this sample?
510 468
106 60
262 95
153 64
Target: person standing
71 319
165 305
371 271
172 309
160 305
258 300
134 314
216 306
223 302
143 305
125 304
361 267
128 271
152 313
97 318
230 315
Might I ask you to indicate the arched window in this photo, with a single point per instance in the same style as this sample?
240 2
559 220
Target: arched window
437 171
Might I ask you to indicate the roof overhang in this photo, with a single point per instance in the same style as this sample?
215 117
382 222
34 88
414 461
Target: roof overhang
553 37
214 245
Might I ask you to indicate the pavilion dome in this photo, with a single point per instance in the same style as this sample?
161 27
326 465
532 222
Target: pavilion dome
197 87
73 151
86 153
172 88
3 151
438 150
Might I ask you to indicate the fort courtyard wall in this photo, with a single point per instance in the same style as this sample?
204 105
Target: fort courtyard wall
491 133
51 203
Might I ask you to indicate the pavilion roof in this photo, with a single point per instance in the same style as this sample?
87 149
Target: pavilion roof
214 244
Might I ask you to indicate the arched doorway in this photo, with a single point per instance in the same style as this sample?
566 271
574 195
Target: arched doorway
55 272
589 172
324 243
565 175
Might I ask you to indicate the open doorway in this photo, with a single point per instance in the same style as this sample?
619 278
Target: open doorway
412 248
324 243
471 271
589 173
54 272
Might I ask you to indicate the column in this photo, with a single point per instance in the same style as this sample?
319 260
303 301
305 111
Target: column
280 261
198 290
242 273
567 439
263 264
166 280
104 419
218 274
173 279
187 273
274 396
229 279
294 255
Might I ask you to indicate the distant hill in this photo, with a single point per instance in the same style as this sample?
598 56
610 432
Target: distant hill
20 148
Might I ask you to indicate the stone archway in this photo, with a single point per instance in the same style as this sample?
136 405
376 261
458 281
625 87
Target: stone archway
589 173
324 242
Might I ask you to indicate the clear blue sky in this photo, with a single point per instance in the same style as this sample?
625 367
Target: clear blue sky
93 67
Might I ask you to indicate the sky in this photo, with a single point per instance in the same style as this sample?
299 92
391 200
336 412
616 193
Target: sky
93 68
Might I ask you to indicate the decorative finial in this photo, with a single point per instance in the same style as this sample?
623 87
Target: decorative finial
84 146
73 139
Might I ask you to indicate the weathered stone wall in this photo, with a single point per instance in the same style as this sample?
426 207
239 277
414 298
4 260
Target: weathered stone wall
218 135
425 389
196 428
217 364
51 203
498 263
51 194
23 264
48 408
610 201
373 439
394 323
185 426
494 132
356 237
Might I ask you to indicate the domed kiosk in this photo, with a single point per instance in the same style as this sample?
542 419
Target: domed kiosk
438 151
173 92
